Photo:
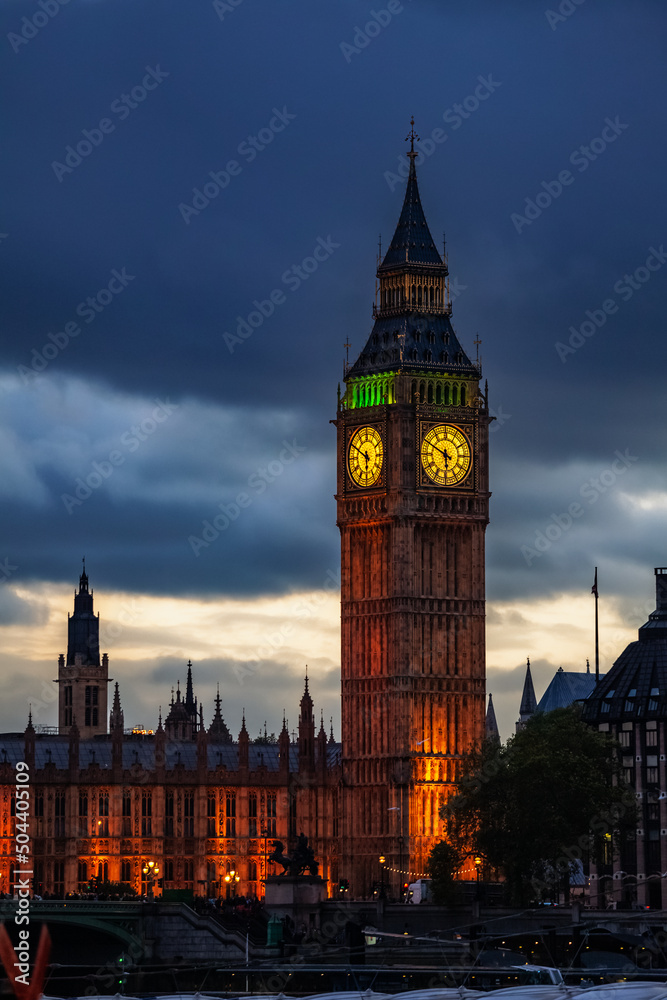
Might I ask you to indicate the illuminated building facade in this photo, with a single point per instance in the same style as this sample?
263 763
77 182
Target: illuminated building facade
413 505
190 799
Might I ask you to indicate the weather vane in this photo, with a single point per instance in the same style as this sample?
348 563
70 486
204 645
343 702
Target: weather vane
412 135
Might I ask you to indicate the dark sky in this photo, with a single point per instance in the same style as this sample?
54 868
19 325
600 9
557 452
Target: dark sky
127 292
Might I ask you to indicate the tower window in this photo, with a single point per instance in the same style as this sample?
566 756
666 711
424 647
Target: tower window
252 815
431 337
169 815
188 814
146 814
230 827
444 357
210 813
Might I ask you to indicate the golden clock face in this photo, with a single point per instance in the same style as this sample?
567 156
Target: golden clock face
446 455
365 455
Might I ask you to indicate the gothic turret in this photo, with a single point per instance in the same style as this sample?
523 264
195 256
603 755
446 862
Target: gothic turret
183 719
82 678
244 743
528 699
116 716
218 731
322 746
306 731
284 746
491 729
412 331
29 743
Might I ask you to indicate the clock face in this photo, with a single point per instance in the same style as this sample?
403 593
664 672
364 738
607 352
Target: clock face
446 455
365 455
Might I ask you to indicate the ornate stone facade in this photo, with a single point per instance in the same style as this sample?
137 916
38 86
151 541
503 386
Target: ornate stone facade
189 799
412 511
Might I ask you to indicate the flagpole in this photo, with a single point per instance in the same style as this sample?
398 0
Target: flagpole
597 638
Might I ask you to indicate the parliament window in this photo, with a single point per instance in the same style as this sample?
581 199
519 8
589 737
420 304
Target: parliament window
169 815
230 826
271 815
83 814
146 814
188 814
59 814
103 815
210 814
252 815
127 813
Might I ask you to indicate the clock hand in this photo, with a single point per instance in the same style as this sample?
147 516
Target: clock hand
444 453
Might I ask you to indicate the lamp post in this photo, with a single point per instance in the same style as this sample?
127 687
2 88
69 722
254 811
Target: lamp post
264 832
232 878
151 872
382 860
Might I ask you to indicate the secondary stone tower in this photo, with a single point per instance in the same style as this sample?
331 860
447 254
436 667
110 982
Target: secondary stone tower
83 676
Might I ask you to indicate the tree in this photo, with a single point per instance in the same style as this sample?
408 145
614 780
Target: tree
443 863
532 808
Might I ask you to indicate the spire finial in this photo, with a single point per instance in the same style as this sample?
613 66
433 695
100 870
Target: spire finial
412 135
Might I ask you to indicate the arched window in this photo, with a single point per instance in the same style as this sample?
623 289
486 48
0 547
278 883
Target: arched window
414 295
448 396
438 393
463 395
430 392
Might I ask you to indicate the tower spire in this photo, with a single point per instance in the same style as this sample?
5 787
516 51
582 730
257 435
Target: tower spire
412 135
116 717
528 699
492 732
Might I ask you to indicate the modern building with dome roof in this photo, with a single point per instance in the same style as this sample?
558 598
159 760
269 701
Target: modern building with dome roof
630 702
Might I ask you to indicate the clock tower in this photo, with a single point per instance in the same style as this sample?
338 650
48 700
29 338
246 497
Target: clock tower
413 505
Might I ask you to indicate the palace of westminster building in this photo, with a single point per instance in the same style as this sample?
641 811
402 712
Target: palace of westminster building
412 509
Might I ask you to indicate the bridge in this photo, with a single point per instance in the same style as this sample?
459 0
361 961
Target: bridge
89 932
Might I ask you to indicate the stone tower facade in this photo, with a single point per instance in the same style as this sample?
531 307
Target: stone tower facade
413 505
82 675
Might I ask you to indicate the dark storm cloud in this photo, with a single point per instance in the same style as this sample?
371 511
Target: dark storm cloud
223 316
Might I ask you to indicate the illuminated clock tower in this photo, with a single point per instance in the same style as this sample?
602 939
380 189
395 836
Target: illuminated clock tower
413 505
